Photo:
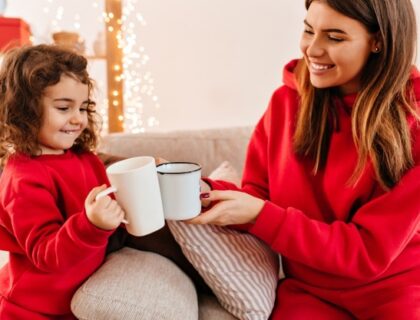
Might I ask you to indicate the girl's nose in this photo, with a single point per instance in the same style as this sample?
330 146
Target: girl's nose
76 118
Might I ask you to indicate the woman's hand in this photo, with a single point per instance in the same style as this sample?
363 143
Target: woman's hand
204 189
105 213
234 207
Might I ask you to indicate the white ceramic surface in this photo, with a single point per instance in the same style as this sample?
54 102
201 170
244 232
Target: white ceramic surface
180 189
138 193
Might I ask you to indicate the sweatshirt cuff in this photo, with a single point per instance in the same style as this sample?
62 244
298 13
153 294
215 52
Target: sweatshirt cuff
268 222
88 233
220 184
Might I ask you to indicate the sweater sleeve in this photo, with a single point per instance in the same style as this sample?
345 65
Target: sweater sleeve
49 240
361 249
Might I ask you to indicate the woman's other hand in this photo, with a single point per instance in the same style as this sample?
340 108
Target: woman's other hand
233 207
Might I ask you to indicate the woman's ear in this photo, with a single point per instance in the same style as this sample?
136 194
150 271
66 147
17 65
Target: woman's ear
377 43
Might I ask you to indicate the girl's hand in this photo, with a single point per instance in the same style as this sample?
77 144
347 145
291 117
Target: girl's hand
235 207
159 160
105 213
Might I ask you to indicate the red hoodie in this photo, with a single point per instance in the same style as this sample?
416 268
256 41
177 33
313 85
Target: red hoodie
53 246
330 234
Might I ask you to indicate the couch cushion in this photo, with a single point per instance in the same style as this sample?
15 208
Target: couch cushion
210 309
207 147
132 284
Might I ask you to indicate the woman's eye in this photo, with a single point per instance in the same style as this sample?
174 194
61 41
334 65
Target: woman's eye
83 109
62 108
308 31
335 39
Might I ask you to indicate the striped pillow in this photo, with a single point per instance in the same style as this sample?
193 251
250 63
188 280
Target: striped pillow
240 269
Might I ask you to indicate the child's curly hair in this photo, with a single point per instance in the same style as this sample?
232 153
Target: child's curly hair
24 75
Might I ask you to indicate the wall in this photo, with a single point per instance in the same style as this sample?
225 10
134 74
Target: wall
219 66
215 63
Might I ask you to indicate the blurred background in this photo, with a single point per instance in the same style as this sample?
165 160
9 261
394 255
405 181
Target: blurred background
184 64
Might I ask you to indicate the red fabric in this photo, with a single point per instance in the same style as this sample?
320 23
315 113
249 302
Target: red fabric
331 235
53 246
298 301
14 32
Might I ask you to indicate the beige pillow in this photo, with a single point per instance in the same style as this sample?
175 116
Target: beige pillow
133 284
240 269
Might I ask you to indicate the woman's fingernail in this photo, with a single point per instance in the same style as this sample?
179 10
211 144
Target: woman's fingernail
204 195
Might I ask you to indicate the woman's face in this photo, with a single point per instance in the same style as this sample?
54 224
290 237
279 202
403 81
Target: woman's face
335 47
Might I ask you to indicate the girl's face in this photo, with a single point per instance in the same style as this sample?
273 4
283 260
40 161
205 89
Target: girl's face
335 48
65 115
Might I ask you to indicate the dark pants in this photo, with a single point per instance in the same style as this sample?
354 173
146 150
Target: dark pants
161 242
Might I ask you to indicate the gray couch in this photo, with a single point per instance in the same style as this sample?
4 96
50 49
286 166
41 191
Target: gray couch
134 284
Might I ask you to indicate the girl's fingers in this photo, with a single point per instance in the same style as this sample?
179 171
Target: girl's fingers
94 192
113 207
121 215
159 160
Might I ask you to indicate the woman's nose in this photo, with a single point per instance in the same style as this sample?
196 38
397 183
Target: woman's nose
315 48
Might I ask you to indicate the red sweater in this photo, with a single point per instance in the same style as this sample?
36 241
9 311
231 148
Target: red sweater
53 246
329 234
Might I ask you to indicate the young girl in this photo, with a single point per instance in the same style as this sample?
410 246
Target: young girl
55 230
332 178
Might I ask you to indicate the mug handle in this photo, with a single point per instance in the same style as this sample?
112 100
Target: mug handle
106 192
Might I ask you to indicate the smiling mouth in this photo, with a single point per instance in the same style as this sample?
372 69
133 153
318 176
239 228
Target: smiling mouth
321 67
71 132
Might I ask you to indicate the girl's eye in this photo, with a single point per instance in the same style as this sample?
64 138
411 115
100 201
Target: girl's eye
308 31
62 108
83 109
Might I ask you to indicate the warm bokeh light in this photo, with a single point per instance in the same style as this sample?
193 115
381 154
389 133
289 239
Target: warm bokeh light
138 83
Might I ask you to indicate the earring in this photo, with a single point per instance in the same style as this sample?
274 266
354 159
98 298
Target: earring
376 49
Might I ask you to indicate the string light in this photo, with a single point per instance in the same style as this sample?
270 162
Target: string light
139 90
138 83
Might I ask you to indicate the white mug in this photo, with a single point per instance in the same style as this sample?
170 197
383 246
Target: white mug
180 189
135 184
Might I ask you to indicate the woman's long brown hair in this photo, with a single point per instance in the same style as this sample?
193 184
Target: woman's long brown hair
379 116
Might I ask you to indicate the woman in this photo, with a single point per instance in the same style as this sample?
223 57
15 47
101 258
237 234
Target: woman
332 177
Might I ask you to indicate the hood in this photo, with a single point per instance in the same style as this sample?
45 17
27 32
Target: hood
289 78
415 79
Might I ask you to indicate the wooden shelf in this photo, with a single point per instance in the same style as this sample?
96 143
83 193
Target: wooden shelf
114 67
